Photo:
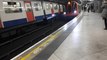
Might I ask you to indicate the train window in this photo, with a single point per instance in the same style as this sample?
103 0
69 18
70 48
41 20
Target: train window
12 7
37 6
28 7
73 7
48 6
55 7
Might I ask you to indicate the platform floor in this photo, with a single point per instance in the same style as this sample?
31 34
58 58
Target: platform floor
88 41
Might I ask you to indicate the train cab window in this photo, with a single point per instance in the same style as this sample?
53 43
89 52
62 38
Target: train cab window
69 8
73 6
12 7
37 6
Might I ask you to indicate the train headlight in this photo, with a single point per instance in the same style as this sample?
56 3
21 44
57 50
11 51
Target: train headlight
75 11
64 13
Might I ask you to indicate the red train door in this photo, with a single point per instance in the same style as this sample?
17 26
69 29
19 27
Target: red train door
29 11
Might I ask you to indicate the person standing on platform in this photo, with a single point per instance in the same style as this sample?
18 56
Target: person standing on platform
84 8
88 8
104 13
91 7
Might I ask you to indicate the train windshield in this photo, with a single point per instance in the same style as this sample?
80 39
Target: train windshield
74 7
71 7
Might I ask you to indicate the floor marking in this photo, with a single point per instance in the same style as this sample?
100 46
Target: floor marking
38 49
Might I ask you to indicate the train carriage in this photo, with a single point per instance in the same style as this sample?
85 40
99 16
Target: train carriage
37 10
23 22
14 13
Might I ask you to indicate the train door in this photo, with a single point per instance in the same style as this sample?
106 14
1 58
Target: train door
29 11
0 24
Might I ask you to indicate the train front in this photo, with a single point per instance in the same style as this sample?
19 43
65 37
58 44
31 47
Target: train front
71 10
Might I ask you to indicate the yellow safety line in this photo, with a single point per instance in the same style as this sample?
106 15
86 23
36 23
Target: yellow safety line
36 48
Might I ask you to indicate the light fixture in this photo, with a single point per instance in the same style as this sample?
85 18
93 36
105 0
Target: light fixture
64 13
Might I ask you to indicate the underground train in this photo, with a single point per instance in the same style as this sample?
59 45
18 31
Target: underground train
72 9
13 13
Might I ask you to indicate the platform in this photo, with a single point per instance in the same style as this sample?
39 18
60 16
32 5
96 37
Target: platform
43 49
83 38
88 41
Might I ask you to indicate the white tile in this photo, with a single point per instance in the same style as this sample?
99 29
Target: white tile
53 57
96 56
88 41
